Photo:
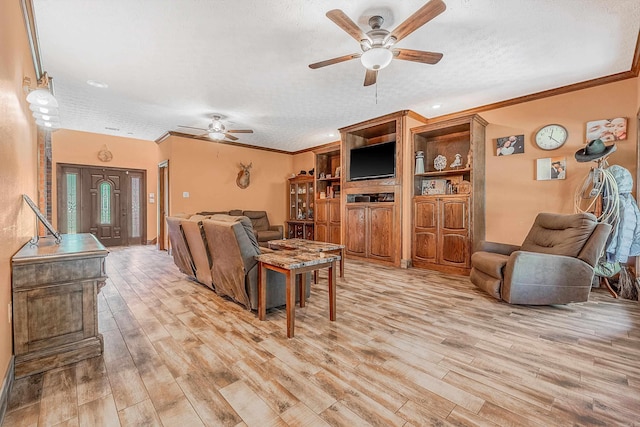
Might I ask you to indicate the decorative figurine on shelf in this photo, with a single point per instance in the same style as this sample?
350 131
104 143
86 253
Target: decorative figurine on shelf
457 162
311 171
419 162
468 166
440 162
338 171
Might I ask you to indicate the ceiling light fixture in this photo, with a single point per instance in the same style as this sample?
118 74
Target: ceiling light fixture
436 106
218 136
97 84
376 58
43 104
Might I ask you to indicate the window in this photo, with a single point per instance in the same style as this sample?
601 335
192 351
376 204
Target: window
72 203
105 202
135 206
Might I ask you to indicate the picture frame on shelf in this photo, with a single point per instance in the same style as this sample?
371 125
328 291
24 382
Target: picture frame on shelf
434 186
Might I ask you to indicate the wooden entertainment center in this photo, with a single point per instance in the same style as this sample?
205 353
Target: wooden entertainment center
393 218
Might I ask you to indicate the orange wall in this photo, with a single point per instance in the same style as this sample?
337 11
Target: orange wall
208 171
513 196
303 161
82 148
18 159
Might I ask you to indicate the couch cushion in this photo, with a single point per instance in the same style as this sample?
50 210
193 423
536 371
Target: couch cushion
559 234
489 263
259 219
235 212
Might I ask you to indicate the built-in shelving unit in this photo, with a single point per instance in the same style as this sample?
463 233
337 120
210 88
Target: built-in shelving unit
328 194
301 208
448 204
373 207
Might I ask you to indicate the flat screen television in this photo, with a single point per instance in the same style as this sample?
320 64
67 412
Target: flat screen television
373 161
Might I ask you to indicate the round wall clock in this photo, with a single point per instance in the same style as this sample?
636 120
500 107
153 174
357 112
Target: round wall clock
552 136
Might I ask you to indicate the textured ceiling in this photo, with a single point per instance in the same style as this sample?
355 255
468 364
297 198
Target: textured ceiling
170 62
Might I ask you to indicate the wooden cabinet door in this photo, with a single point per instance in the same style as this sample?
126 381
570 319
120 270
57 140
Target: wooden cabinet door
381 238
322 216
334 211
334 233
321 232
453 248
308 231
356 230
425 236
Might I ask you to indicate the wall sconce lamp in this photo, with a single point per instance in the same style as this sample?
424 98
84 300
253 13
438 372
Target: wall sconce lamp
43 104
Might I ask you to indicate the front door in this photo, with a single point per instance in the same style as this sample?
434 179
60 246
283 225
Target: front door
106 202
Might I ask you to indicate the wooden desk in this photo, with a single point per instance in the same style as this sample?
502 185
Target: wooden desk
310 246
55 313
292 264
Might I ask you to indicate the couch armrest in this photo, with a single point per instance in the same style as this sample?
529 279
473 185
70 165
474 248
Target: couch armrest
279 228
537 278
497 248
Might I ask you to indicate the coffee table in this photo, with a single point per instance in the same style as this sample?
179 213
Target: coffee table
293 263
310 246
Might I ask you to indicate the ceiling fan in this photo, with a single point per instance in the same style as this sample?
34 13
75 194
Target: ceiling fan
377 43
217 131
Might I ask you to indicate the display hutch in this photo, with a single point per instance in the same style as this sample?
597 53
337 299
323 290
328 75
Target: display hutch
448 197
301 208
373 198
328 210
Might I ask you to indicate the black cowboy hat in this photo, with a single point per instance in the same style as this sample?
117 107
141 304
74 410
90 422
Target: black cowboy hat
594 150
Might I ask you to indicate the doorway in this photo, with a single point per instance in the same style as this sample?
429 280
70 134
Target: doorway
163 204
106 202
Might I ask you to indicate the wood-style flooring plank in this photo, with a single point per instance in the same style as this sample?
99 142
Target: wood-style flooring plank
410 347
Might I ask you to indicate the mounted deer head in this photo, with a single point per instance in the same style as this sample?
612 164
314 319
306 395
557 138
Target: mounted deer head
243 176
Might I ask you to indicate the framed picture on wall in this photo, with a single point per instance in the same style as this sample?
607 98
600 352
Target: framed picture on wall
551 168
507 145
607 130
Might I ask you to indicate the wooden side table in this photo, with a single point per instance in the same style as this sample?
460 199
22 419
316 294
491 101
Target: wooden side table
293 264
310 246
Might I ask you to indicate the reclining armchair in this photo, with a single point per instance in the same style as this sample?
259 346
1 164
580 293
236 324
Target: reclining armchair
263 230
554 265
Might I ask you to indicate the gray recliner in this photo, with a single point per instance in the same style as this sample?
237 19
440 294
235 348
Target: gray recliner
554 265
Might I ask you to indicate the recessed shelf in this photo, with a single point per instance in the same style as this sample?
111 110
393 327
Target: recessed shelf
445 172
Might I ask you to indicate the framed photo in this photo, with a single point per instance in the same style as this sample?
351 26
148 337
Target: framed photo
551 168
507 145
434 186
607 130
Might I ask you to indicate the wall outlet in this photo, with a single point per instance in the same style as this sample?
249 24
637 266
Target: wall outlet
185 194
9 312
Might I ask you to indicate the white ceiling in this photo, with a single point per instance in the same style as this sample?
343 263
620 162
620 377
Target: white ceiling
177 62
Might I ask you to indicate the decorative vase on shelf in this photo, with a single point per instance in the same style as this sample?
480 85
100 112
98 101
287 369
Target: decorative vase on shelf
419 162
440 162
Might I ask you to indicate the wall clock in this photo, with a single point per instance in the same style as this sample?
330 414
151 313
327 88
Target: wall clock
552 136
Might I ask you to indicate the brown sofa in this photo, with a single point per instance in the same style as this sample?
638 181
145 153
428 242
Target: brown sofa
219 251
554 265
264 231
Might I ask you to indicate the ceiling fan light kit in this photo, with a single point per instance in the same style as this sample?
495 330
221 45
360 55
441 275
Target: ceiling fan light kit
377 43
218 136
376 58
217 131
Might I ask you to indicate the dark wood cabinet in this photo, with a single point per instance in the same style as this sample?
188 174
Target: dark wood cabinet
370 233
301 208
55 313
448 202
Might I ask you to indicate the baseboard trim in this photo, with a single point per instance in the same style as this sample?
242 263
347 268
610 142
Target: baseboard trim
7 385
152 241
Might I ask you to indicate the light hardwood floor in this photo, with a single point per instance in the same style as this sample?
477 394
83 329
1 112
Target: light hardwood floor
409 348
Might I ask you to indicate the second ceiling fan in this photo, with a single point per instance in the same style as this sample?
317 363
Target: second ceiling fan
377 43
217 131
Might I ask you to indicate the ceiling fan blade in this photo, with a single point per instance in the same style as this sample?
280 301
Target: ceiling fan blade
417 56
191 127
239 131
334 61
344 22
370 77
231 137
423 15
